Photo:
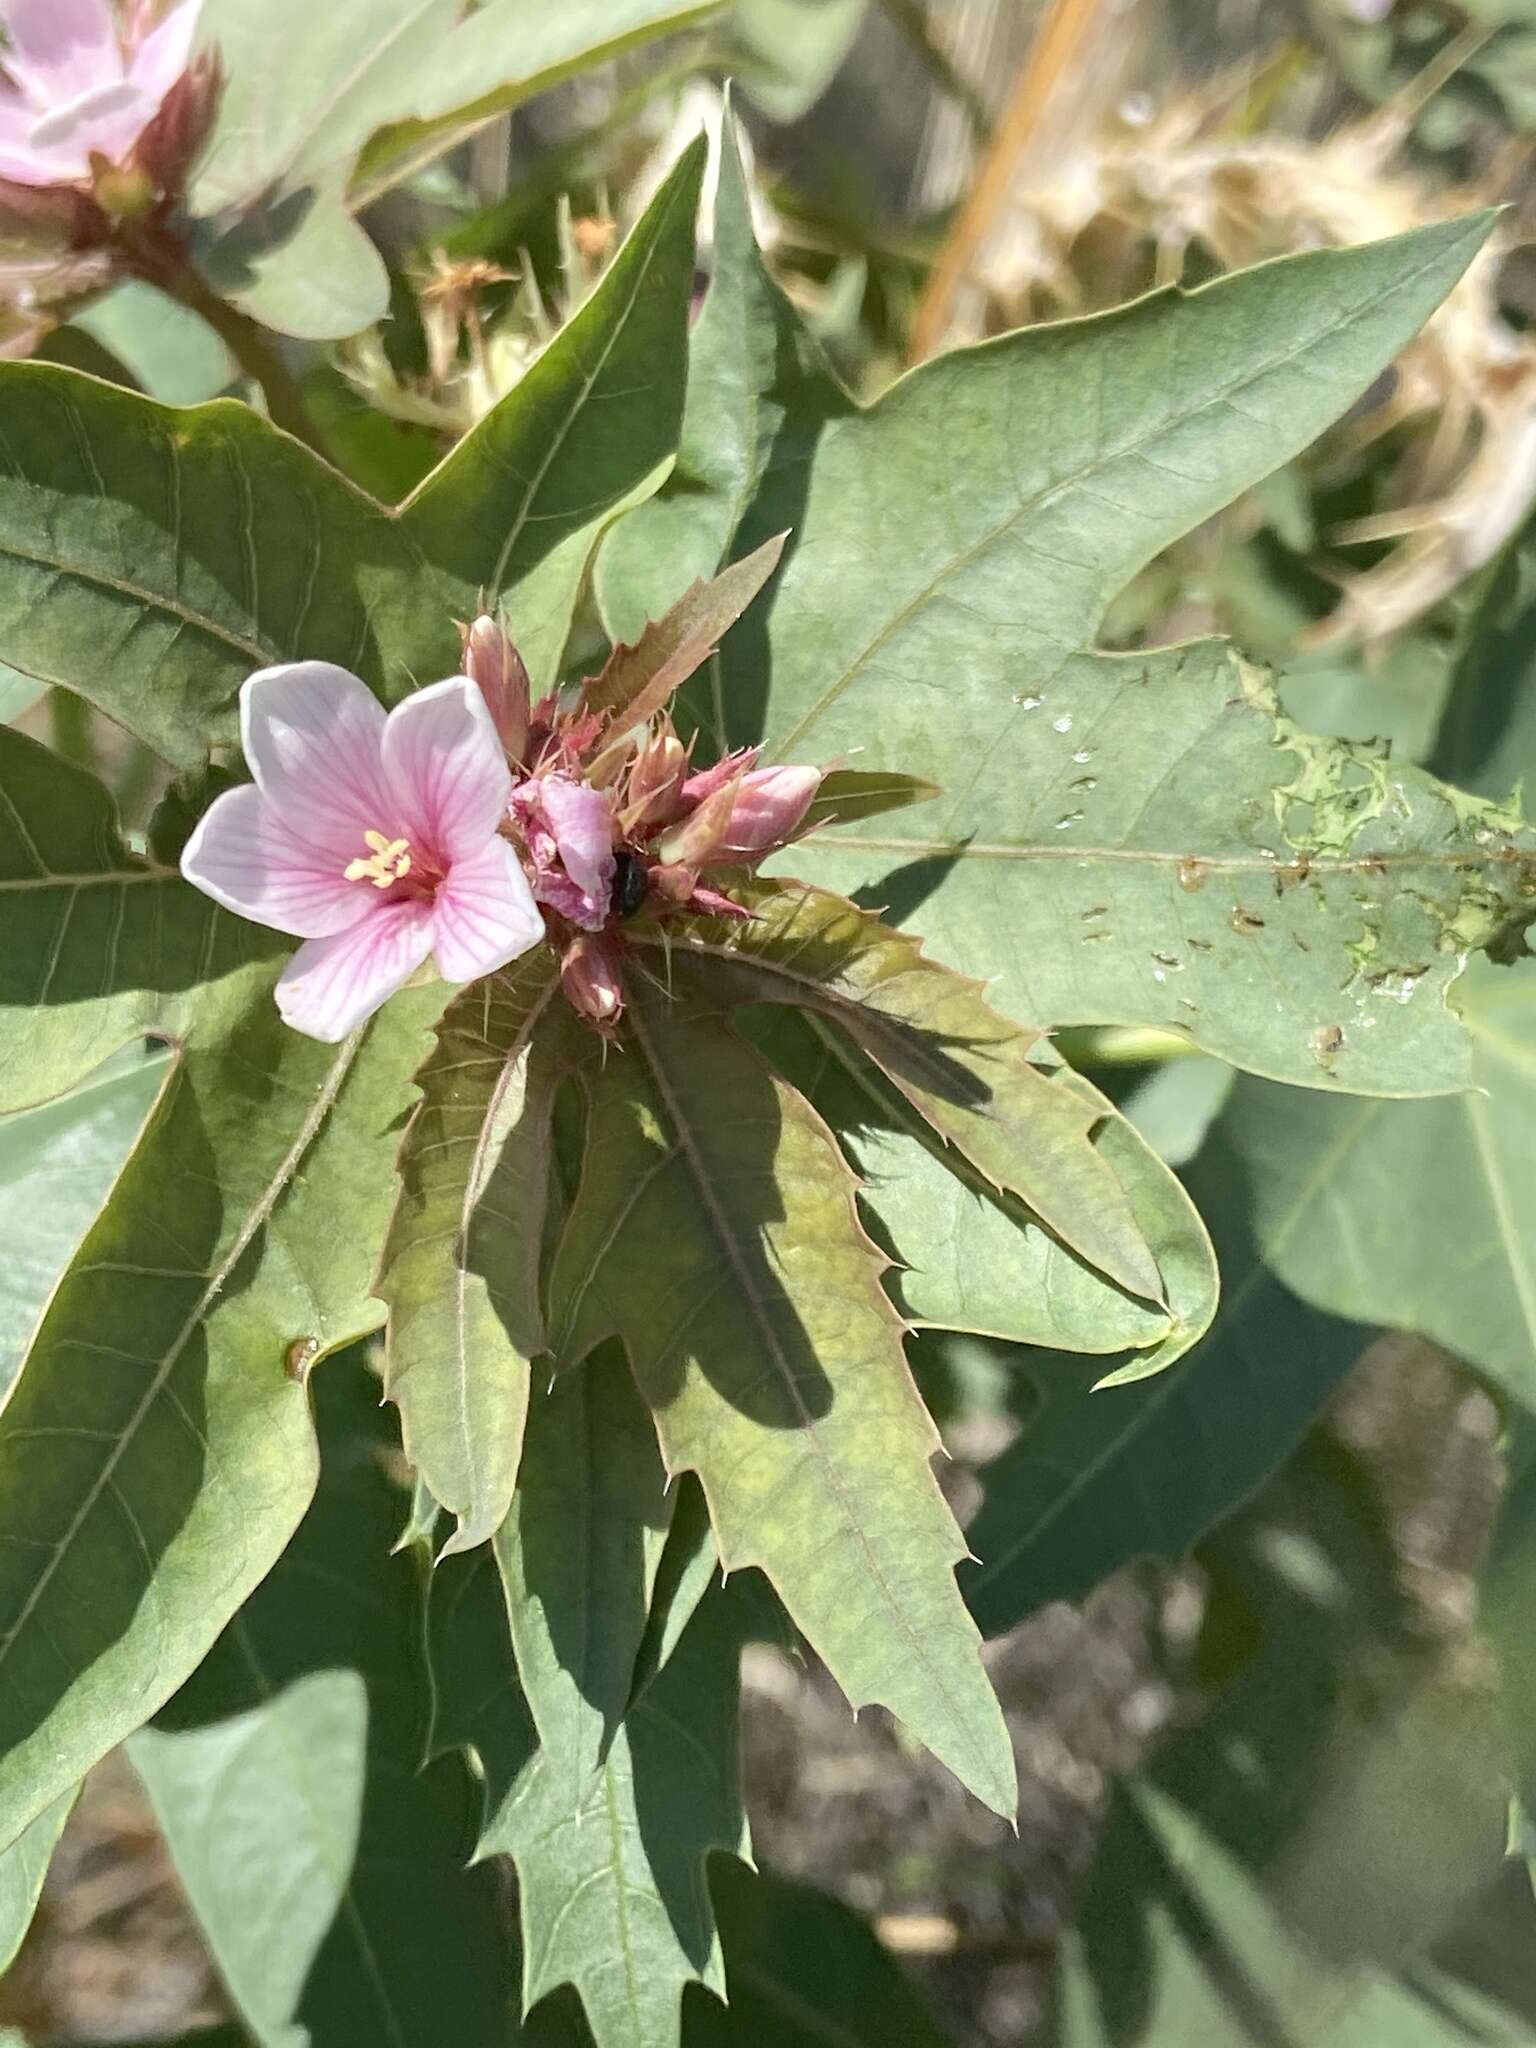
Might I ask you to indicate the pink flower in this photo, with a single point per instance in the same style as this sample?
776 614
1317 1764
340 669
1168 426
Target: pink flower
569 830
77 86
374 838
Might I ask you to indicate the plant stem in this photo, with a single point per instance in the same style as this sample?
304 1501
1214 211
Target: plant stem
158 257
251 349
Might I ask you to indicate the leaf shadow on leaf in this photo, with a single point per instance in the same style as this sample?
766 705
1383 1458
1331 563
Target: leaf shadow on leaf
323 1670
799 1392
903 890
264 226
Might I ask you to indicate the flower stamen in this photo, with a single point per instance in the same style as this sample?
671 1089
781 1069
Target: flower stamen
388 862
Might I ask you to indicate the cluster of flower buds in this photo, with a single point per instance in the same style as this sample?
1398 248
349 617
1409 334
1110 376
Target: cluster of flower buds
613 821
102 112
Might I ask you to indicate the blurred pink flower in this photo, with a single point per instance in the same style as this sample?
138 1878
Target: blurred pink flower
78 86
374 838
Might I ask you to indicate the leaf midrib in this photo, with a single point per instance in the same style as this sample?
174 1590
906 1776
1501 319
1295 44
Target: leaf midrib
1211 863
768 1336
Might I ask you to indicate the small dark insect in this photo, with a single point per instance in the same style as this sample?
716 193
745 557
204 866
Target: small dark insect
631 884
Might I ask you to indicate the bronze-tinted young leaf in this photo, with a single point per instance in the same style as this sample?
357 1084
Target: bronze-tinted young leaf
460 1271
640 680
714 1230
967 1071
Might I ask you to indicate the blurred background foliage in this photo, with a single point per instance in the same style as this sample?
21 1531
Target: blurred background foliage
1263 1625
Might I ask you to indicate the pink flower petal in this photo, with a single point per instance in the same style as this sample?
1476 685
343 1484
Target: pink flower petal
484 914
106 121
22 167
587 913
162 57
313 736
60 48
446 766
330 986
582 822
243 856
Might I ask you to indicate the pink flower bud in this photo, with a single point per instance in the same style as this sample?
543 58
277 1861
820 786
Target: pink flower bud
698 839
494 663
591 979
673 884
698 787
656 783
169 146
770 803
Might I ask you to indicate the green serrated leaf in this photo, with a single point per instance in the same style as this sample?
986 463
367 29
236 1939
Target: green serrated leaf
965 1070
1423 1215
612 1871
727 1254
325 1867
57 1166
969 1258
460 1270
23 1866
1079 790
156 1452
1098 1479
578 1557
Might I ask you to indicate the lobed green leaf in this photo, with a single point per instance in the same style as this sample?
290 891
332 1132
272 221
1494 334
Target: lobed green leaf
728 1256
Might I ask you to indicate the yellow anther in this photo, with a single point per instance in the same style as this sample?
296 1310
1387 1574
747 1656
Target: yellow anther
388 860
